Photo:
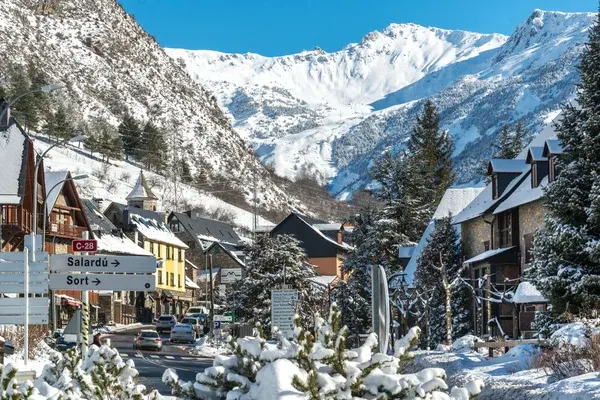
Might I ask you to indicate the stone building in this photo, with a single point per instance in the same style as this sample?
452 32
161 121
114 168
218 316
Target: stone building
497 230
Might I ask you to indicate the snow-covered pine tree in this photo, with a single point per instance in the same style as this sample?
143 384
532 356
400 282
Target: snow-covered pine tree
354 295
435 147
566 266
517 142
131 135
251 297
506 146
438 268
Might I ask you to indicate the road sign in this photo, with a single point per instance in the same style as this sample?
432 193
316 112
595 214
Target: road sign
230 275
114 264
283 303
380 302
12 310
223 318
217 324
102 282
89 245
12 273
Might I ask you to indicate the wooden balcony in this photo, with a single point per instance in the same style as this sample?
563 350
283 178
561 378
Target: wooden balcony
16 219
63 230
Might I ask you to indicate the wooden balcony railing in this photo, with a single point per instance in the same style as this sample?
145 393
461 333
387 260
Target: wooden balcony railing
70 231
16 218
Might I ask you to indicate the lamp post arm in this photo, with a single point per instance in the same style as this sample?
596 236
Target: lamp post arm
13 101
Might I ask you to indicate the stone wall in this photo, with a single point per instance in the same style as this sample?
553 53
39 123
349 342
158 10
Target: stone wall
531 218
474 233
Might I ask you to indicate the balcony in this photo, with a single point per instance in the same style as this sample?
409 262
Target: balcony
16 219
64 230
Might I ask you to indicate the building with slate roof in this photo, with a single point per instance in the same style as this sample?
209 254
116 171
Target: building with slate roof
497 230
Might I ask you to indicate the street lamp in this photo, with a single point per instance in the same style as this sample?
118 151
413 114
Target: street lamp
79 138
44 89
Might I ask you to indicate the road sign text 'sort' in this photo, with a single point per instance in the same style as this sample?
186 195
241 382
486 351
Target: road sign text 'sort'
102 282
89 245
113 264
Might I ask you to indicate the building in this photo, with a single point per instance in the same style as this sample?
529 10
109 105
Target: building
147 228
497 230
323 242
206 236
115 306
17 162
65 222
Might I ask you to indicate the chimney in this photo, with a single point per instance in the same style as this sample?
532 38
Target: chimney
98 202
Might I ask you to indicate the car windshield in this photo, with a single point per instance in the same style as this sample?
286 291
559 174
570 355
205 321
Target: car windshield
189 321
166 318
149 334
194 310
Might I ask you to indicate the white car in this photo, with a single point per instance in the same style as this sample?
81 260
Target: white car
183 333
195 311
165 323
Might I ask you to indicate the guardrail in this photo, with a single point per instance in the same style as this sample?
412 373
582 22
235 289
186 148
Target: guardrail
507 344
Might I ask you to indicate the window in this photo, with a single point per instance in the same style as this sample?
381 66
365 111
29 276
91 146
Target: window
505 229
486 245
152 247
169 252
160 282
495 186
551 169
172 279
534 175
158 252
178 280
179 255
528 239
175 226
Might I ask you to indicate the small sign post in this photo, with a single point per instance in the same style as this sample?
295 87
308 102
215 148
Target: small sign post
90 245
283 309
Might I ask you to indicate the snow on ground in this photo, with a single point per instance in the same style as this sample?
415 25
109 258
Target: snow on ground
510 377
121 327
115 183
210 350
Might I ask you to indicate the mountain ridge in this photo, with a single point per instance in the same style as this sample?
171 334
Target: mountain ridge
331 123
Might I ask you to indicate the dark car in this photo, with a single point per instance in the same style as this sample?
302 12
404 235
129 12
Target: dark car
63 345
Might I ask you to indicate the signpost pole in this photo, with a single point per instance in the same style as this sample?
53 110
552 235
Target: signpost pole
85 311
26 295
212 303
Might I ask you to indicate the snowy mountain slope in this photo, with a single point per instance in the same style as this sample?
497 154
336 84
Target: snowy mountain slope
342 109
111 66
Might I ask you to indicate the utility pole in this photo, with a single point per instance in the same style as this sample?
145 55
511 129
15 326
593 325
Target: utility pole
212 303
254 201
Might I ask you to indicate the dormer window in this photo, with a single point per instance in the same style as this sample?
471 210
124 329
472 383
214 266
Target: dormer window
494 186
534 175
539 165
503 172
551 149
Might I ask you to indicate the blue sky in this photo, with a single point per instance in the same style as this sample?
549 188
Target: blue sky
289 26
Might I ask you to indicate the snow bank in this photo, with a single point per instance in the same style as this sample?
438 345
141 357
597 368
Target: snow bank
208 350
274 382
465 343
576 333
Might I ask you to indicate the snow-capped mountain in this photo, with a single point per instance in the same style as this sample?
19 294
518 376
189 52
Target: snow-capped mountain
331 114
112 66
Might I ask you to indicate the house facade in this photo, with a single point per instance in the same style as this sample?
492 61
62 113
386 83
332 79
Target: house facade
497 231
323 242
147 228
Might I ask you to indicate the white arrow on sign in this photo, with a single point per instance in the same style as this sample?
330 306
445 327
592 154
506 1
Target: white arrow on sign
102 282
73 263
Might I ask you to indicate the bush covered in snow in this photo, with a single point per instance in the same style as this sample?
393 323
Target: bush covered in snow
317 366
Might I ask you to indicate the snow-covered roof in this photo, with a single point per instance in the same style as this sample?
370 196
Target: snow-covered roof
507 165
455 200
154 229
206 229
487 254
535 154
527 293
523 194
553 146
328 227
141 190
264 228
53 187
13 161
324 280
406 251
484 201
343 245
190 284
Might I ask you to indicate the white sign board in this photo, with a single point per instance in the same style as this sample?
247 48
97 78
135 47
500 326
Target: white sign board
222 290
283 303
223 318
12 310
113 264
380 307
102 282
12 273
230 275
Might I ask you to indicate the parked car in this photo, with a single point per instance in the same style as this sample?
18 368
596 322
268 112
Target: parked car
148 339
165 323
183 333
195 322
63 345
195 311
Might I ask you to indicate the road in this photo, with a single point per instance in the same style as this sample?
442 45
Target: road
151 364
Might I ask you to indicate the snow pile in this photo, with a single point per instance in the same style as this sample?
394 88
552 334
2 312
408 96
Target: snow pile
465 343
575 333
318 366
205 349
527 293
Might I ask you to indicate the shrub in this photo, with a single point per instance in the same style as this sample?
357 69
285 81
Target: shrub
571 360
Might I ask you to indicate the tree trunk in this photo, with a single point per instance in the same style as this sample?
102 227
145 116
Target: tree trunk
448 313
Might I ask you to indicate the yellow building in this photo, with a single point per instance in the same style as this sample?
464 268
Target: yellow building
147 228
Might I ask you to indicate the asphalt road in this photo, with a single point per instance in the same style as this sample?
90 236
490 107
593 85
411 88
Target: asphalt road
152 364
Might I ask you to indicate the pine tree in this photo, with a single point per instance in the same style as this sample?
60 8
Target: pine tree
438 270
517 142
59 124
566 266
435 147
153 148
506 145
105 140
131 135
268 256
